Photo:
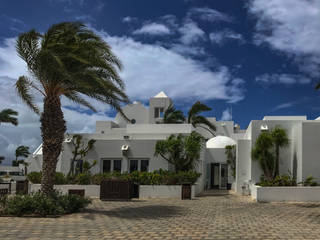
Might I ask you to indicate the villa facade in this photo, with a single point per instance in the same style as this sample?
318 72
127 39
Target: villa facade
128 146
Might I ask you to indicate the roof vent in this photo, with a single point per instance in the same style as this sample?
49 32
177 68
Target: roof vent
264 128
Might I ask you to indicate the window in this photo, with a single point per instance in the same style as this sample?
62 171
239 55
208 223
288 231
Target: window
117 165
144 165
106 166
2 173
133 165
133 121
158 112
15 174
111 165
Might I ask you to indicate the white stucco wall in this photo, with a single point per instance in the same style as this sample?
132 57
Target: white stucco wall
243 163
287 194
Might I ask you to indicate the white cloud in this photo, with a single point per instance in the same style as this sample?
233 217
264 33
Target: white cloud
209 14
283 79
128 19
153 29
291 26
220 37
191 33
226 115
148 69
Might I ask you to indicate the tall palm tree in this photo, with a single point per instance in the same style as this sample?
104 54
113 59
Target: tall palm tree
7 116
200 121
280 139
172 115
22 151
72 61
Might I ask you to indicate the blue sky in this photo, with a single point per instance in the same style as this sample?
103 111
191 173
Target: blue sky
257 57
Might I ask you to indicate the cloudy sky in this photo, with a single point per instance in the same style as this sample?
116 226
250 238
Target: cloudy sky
255 57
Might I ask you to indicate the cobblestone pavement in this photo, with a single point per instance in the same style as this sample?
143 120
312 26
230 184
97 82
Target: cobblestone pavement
212 217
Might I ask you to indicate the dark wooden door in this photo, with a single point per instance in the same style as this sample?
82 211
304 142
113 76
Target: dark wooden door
115 190
22 187
186 191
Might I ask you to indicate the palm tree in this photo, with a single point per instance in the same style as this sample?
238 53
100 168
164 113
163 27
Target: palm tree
72 61
172 115
263 153
7 116
21 151
199 121
1 159
280 140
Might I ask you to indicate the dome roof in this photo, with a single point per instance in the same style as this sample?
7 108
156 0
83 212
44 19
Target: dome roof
220 142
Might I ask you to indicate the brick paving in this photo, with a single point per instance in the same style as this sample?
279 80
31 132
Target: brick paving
211 217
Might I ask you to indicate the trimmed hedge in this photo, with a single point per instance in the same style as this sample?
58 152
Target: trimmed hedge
159 177
39 204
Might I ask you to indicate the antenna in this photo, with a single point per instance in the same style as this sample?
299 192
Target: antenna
231 113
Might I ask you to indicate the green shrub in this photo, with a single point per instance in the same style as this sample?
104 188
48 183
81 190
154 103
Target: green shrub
42 205
60 178
310 181
285 180
34 177
83 179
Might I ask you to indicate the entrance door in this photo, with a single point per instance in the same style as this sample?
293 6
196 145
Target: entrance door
215 175
223 176
219 175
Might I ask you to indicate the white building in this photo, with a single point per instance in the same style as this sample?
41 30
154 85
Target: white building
128 146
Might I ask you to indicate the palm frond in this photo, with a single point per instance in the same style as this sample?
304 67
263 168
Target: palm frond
73 96
196 109
23 88
6 116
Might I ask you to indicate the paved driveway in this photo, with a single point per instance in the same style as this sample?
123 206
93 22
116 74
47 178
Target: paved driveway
214 217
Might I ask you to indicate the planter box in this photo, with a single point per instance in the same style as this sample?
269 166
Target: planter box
89 190
163 191
285 194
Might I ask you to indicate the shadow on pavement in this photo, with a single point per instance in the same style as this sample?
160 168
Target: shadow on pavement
142 212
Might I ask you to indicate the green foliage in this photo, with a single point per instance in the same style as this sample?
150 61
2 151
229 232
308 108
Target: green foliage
172 115
310 181
285 180
35 177
159 177
80 151
8 116
263 153
41 204
199 121
181 151
231 158
83 179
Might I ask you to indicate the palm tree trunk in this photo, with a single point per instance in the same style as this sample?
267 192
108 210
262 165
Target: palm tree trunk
53 128
276 172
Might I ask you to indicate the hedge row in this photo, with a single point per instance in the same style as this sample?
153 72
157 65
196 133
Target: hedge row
159 177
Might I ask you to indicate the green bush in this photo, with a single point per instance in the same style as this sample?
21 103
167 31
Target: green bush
83 178
285 180
310 181
35 177
42 205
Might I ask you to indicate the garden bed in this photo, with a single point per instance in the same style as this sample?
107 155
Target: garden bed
285 194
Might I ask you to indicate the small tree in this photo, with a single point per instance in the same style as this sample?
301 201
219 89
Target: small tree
280 140
21 151
181 151
231 158
263 153
79 152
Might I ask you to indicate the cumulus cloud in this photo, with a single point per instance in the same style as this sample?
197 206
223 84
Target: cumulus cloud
153 29
148 69
226 115
291 26
220 37
282 79
191 33
209 14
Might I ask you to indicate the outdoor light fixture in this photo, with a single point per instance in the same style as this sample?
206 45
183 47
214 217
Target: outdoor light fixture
124 149
264 128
